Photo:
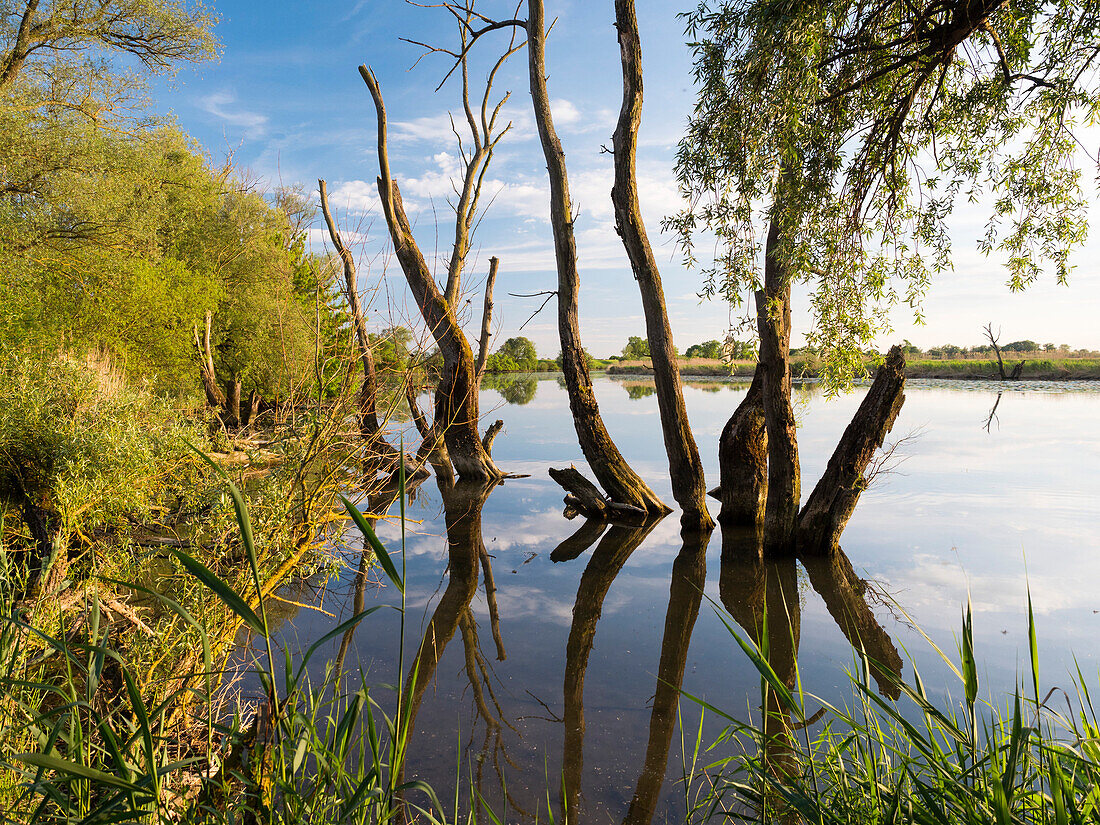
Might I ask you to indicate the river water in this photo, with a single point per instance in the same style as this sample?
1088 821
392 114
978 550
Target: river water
559 679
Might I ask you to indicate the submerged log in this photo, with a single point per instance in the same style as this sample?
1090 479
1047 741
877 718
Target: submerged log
743 461
833 500
584 496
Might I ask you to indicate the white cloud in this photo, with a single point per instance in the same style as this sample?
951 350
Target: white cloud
223 105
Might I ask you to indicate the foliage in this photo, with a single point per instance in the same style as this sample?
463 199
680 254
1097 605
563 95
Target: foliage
707 349
1022 346
391 348
636 348
76 441
522 352
918 761
860 143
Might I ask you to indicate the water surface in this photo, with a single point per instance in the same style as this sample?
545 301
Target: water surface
561 675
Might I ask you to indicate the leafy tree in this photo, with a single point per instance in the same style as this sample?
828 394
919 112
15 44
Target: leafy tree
707 349
1021 346
500 362
860 142
391 347
522 351
636 349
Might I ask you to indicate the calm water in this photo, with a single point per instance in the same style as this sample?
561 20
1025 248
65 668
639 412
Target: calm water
570 684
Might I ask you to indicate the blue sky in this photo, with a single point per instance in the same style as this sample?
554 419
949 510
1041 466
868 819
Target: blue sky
286 100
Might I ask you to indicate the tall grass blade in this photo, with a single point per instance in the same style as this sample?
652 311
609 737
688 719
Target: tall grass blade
222 590
379 551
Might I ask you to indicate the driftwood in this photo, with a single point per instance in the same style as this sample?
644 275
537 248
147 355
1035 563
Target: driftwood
743 461
834 498
584 496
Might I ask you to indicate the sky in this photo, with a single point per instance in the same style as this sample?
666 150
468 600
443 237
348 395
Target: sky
285 100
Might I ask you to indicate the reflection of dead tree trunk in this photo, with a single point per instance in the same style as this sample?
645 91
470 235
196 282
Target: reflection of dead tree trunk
993 414
456 411
685 466
844 592
689 572
834 498
610 468
607 560
574 545
214 395
462 504
368 392
743 461
487 317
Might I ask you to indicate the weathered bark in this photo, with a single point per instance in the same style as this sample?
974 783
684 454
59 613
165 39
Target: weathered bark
773 317
368 390
214 395
685 467
607 560
834 498
689 572
844 592
743 461
585 497
232 416
456 400
432 447
490 435
610 468
487 317
12 63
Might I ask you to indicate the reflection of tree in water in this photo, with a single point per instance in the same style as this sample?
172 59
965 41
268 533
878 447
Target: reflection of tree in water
761 593
755 591
515 389
463 502
636 390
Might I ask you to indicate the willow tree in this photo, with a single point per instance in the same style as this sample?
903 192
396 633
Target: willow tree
860 125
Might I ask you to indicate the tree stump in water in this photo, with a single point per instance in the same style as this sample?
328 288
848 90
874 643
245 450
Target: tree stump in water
834 499
743 461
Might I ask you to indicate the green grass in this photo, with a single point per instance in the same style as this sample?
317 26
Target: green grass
1024 760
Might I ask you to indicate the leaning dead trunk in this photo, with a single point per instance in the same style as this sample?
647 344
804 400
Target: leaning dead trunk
456 400
685 467
773 318
620 482
487 317
834 498
743 461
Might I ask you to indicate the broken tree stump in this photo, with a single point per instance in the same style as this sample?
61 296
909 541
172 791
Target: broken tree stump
583 496
834 499
743 461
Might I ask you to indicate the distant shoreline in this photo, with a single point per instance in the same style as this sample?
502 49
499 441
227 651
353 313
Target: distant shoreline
1038 369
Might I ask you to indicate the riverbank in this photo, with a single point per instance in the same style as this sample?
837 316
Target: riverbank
971 369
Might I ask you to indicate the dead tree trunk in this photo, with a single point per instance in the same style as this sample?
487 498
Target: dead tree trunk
610 468
773 317
583 496
368 391
456 407
685 467
232 417
214 395
996 349
487 317
834 498
743 461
